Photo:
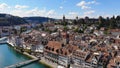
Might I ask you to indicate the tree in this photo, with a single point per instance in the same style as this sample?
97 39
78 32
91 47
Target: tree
81 21
64 23
118 18
118 21
23 29
86 19
65 28
106 32
15 31
112 22
102 22
107 21
48 30
100 19
76 30
74 22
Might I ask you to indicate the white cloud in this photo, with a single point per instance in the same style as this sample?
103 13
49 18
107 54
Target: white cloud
21 6
17 12
89 12
33 12
85 5
42 12
82 3
73 13
63 2
61 7
92 2
23 11
36 12
106 15
3 6
51 12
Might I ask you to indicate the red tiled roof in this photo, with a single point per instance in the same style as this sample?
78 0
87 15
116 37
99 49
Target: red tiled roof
53 46
80 54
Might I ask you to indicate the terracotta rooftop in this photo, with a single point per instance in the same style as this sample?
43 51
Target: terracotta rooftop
53 46
64 52
113 62
80 54
115 30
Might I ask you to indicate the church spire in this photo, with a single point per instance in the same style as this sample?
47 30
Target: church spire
63 18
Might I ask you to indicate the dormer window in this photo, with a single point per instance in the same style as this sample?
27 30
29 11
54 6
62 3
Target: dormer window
118 63
61 52
57 51
52 49
65 53
63 45
49 48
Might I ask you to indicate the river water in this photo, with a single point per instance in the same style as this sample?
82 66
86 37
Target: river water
8 56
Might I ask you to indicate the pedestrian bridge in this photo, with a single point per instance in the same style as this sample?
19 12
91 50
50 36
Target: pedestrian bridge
21 64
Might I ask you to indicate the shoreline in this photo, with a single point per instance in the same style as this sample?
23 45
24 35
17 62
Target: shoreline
30 56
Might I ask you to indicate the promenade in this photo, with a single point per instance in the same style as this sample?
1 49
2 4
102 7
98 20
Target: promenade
48 62
42 60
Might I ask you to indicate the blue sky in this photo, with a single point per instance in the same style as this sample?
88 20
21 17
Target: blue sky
58 8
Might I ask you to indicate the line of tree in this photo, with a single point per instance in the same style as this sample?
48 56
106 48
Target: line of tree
113 22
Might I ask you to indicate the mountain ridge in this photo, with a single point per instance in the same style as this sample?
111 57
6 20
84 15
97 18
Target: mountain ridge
38 19
8 20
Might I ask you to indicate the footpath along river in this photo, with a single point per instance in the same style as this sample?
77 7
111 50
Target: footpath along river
9 56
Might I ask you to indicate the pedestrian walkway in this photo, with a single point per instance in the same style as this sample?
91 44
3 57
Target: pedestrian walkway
22 63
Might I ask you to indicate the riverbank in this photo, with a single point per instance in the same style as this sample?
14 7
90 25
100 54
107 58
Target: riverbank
48 62
32 57
41 62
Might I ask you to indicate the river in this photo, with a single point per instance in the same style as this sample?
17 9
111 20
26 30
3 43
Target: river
9 56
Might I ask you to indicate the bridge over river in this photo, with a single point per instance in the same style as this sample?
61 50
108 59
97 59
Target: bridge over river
21 64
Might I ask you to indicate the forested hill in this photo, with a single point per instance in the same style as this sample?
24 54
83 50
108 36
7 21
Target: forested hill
38 19
7 20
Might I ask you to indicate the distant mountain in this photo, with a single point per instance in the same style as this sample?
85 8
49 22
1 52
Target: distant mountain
38 19
7 20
